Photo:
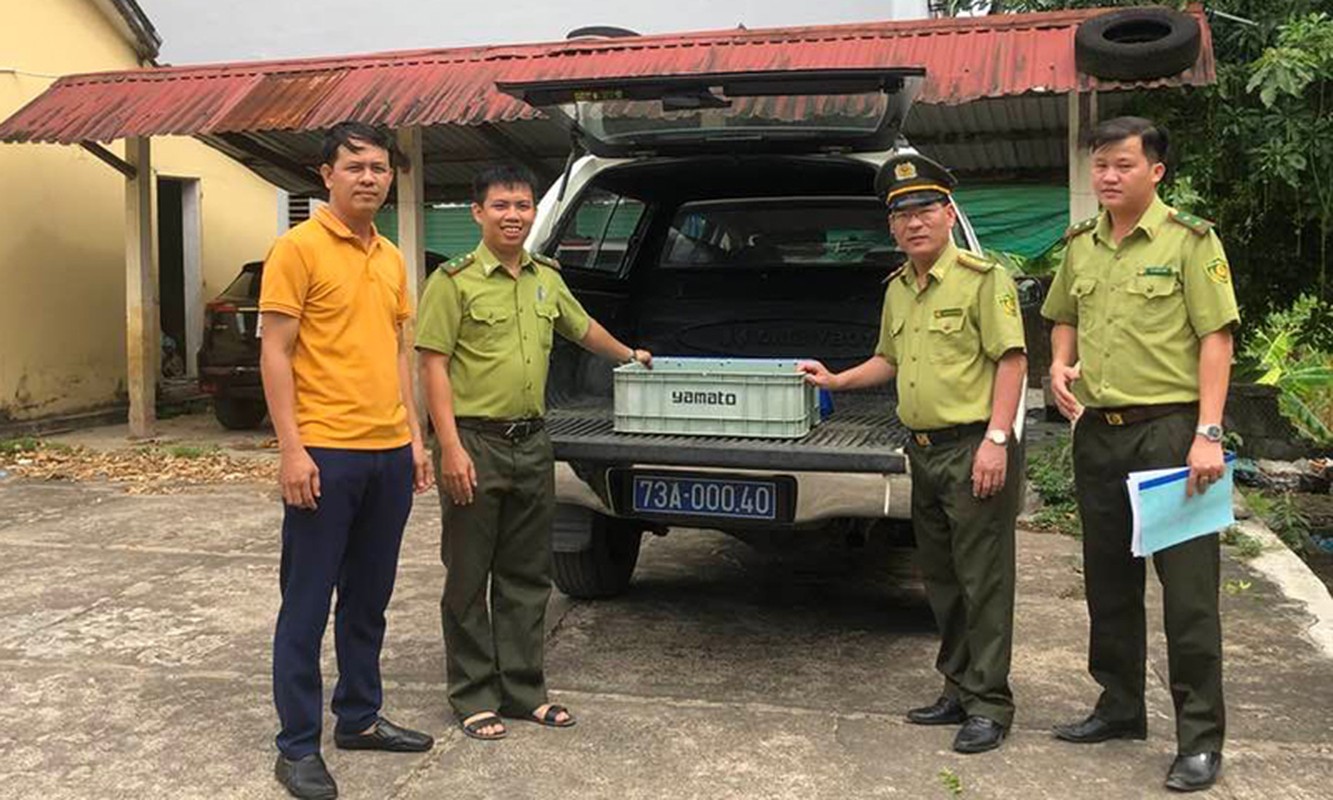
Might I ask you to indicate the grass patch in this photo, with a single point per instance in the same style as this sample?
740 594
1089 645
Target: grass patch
19 444
192 450
1051 473
1282 514
951 782
1245 545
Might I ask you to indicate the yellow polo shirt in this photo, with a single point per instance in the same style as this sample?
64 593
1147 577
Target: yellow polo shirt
351 300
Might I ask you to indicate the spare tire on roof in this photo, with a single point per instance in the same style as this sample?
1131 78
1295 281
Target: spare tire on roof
1137 44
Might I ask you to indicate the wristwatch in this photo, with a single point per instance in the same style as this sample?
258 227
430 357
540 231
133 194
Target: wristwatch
997 436
1212 433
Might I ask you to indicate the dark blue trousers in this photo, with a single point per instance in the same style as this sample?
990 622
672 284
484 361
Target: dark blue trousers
350 542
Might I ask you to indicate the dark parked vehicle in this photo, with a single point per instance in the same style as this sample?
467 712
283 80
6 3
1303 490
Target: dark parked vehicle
229 357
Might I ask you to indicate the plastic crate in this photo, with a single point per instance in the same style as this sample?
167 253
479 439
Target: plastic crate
755 397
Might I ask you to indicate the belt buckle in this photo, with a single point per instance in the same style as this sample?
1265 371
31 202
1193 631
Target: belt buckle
922 439
1114 418
511 431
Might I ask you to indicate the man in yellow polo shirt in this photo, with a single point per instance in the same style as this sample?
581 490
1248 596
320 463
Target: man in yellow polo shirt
1143 310
487 324
951 333
338 385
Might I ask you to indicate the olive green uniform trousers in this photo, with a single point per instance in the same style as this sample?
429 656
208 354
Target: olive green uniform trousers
497 552
965 548
1104 455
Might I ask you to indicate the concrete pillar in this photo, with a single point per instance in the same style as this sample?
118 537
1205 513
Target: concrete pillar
411 197
141 313
1082 119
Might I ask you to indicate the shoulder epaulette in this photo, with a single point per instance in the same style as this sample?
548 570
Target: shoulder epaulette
974 261
895 273
1080 228
458 264
546 261
1199 225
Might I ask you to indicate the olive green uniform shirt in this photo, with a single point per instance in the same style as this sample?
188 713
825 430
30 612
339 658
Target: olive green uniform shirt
946 338
1141 306
497 331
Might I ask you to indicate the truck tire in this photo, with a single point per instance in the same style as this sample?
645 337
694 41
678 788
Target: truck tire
1137 44
238 414
601 568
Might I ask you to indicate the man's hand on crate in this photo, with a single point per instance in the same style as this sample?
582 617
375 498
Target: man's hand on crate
640 356
457 474
818 374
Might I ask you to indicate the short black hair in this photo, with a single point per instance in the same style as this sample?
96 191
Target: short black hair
505 174
348 134
1152 135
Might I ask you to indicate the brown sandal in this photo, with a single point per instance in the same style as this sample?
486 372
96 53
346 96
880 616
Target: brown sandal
485 720
551 718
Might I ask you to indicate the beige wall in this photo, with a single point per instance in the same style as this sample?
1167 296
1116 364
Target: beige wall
62 306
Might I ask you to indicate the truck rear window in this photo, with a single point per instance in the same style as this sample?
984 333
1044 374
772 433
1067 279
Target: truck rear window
830 231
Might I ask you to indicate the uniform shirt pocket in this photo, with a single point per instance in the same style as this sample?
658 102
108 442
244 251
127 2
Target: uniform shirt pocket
1154 302
948 339
547 314
488 327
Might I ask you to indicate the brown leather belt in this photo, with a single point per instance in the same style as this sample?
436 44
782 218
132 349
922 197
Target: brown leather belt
1130 415
515 430
946 435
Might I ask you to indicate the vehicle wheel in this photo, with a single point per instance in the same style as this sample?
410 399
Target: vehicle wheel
1137 43
604 567
238 414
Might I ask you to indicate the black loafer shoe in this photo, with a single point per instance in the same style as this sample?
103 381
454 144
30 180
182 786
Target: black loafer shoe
944 711
1194 772
306 777
1095 729
978 735
385 736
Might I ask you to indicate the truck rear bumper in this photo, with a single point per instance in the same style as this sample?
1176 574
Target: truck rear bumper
819 495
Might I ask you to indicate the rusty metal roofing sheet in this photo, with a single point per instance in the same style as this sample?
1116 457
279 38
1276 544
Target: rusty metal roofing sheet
965 60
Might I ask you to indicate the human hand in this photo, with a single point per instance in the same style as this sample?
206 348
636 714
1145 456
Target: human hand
298 478
988 469
457 474
422 476
1207 464
1061 378
817 374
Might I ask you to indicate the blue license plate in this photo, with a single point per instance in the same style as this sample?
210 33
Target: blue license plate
706 497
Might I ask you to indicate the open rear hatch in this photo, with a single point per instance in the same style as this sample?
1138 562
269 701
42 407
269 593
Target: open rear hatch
805 111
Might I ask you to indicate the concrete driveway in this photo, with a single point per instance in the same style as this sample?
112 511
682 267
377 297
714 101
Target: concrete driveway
134 662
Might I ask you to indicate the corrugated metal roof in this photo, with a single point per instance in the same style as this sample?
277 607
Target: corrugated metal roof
966 59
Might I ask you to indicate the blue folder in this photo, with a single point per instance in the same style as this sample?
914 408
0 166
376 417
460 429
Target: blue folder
1164 516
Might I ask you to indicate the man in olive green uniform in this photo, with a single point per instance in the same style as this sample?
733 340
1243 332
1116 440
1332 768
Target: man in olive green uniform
1143 310
950 332
487 323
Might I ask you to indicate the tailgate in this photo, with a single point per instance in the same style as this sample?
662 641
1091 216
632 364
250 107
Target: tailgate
858 437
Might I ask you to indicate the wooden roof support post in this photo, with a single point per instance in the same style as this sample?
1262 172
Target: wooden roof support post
411 199
141 317
1082 119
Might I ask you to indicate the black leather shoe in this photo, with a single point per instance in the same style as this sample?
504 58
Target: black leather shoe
944 711
1095 729
1195 772
306 777
978 735
385 736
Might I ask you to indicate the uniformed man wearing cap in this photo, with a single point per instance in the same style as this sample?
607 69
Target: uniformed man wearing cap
950 333
1143 310
487 324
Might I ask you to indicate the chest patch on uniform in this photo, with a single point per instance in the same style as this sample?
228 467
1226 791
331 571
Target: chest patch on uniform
1218 271
1009 304
941 313
541 293
1166 271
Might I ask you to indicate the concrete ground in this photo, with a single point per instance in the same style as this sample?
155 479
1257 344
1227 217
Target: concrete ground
134 662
